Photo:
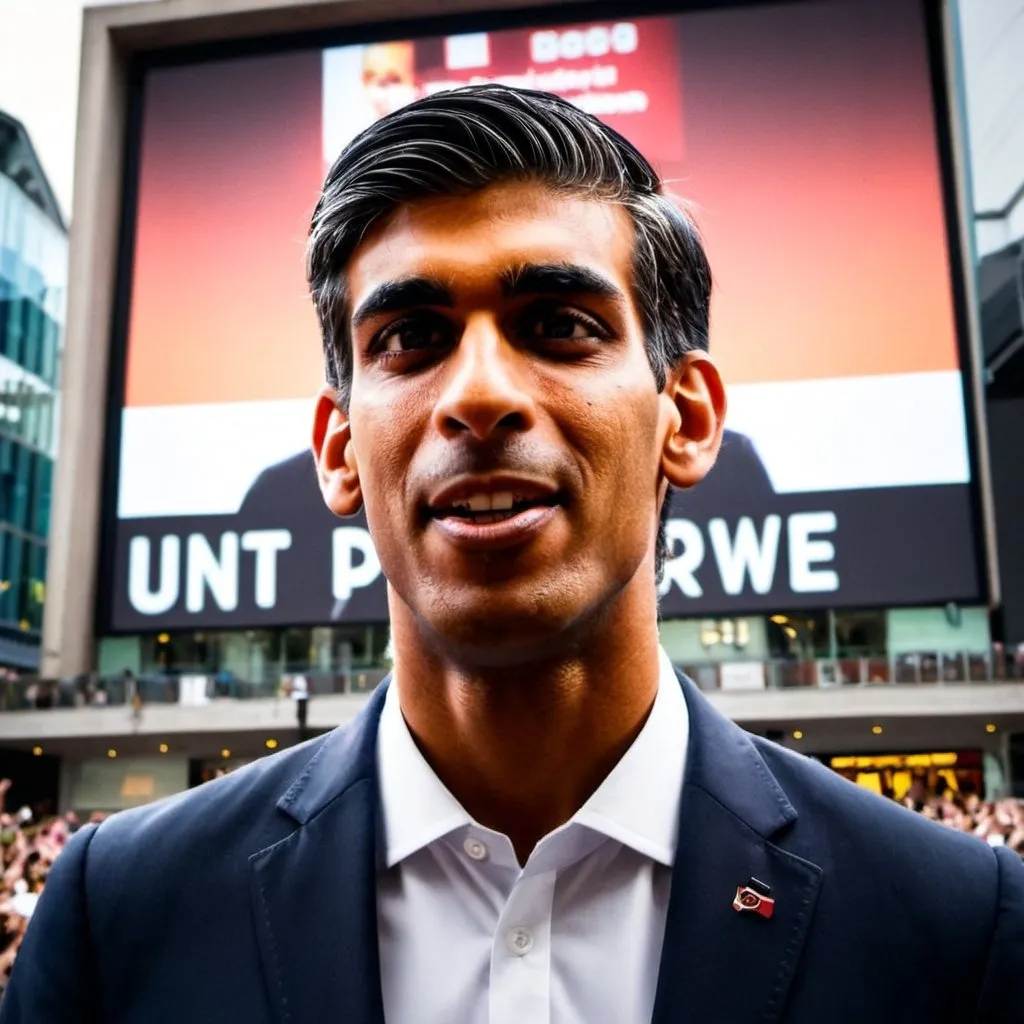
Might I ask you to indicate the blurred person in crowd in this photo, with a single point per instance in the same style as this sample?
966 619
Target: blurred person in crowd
133 696
41 694
1018 661
917 795
8 689
300 695
136 706
535 818
80 684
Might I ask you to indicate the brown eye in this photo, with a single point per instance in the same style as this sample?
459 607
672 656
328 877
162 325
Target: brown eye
412 334
560 324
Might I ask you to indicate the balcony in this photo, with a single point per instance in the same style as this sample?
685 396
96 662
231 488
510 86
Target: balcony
187 689
848 693
199 689
927 668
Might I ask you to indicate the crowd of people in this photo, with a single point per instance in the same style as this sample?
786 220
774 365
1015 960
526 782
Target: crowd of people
29 847
998 822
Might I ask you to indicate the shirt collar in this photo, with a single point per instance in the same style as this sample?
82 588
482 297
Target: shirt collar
638 802
416 806
636 805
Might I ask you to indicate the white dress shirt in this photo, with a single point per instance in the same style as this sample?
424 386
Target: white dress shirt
467 936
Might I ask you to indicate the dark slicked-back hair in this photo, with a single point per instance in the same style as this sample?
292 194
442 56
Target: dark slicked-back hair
462 141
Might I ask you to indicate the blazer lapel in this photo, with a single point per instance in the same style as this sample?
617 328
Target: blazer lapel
314 892
719 964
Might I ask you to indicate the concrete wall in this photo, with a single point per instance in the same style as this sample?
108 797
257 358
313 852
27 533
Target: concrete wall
115 784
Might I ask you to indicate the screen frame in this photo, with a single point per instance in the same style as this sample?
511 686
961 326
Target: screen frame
939 30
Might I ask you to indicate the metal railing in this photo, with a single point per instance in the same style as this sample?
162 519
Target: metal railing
920 668
189 688
200 687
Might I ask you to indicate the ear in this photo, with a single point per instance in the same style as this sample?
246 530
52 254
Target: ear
335 456
694 405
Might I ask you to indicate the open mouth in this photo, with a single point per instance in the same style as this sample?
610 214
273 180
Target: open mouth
483 509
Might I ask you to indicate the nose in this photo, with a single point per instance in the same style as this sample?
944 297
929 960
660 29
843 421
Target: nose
483 392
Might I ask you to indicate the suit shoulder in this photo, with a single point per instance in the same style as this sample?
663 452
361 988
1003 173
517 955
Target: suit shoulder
939 889
842 810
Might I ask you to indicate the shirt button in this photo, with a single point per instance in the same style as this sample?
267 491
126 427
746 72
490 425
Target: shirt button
474 848
519 941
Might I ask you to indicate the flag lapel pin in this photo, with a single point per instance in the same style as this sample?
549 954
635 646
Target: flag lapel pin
754 897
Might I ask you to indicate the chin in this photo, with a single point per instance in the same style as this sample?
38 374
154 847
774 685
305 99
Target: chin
513 623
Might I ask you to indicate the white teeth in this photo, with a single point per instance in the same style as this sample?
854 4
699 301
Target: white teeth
502 501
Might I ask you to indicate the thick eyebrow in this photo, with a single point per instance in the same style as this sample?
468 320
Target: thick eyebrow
558 279
406 293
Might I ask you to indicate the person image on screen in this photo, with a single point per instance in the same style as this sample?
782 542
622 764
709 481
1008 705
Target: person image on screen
535 818
389 76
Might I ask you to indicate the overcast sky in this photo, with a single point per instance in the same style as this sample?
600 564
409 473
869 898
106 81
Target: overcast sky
39 58
39 43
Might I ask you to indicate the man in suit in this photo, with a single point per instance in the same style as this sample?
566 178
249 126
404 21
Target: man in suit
535 820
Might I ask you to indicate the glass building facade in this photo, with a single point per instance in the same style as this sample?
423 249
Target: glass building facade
33 288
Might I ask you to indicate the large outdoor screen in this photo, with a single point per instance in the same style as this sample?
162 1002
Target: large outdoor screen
805 138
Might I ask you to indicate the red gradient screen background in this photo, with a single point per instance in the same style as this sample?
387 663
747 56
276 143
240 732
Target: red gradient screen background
809 153
804 136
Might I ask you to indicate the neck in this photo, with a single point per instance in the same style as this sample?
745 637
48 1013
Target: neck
523 745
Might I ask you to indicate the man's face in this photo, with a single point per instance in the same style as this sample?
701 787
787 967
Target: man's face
506 427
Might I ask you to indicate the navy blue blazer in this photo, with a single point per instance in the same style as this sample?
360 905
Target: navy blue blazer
252 900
